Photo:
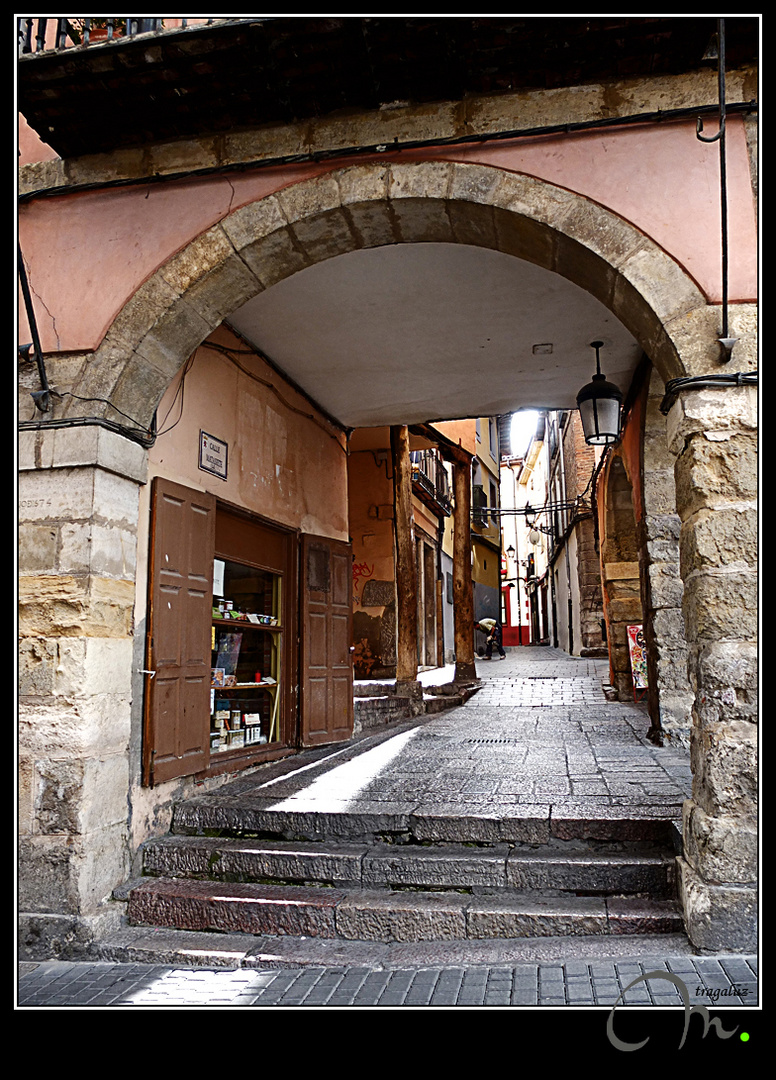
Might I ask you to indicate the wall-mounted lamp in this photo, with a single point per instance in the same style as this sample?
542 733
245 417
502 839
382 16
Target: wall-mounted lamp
599 406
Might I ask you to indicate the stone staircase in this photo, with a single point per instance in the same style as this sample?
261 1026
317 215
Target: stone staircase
235 879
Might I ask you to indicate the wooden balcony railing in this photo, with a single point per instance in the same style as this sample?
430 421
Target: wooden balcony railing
429 475
46 35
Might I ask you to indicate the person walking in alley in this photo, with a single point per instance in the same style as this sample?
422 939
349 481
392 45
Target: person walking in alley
493 631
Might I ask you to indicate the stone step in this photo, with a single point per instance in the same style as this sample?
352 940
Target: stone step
371 711
185 948
374 712
387 915
561 868
260 816
437 703
373 688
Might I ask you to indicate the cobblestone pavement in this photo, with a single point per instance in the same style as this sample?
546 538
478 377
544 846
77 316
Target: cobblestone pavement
538 734
711 981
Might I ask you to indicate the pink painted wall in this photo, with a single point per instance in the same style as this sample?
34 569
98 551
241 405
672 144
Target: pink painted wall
663 180
87 253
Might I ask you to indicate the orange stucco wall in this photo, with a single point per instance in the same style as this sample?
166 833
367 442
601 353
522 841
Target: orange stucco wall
88 252
631 447
370 498
285 462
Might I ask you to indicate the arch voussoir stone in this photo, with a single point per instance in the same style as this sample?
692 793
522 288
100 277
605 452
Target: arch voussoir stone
199 258
431 181
254 222
365 204
325 235
175 335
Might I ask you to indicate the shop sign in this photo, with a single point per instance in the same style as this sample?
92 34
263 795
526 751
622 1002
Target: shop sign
212 454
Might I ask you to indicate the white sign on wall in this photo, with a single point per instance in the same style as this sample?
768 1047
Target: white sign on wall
213 454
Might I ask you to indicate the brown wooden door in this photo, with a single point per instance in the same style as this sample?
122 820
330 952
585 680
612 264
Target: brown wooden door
326 668
177 716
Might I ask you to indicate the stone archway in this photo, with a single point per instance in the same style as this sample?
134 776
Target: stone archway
364 206
76 591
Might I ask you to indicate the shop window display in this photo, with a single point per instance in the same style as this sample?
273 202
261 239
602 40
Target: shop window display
246 648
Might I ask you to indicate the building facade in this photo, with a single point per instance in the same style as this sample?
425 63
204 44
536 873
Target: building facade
578 617
526 585
371 497
577 189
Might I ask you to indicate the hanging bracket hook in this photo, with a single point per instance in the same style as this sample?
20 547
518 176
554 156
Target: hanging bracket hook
709 138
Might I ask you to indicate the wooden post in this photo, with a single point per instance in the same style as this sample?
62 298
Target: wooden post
463 590
406 570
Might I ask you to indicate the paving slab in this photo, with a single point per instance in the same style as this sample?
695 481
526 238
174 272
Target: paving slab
631 980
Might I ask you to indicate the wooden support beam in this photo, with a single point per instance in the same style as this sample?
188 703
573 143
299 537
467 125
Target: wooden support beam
406 569
463 589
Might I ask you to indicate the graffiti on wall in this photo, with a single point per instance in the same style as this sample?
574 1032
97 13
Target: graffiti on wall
361 573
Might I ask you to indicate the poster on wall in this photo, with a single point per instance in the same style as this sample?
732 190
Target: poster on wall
638 656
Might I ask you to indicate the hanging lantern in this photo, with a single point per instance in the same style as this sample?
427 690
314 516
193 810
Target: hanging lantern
599 406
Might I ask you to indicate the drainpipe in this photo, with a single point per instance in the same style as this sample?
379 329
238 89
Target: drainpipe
725 340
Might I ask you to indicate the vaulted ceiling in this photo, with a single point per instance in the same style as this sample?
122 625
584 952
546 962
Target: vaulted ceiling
417 332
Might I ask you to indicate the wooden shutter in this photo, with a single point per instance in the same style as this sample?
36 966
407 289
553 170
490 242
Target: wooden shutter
326 668
177 714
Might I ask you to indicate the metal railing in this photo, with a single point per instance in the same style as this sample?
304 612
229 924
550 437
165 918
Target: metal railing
483 515
48 35
429 472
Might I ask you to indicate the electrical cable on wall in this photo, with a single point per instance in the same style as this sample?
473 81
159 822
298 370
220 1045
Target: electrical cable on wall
228 353
715 381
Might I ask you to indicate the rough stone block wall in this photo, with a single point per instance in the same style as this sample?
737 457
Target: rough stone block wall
77 545
622 588
713 435
591 595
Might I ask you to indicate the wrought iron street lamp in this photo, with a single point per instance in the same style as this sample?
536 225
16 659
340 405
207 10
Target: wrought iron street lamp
599 406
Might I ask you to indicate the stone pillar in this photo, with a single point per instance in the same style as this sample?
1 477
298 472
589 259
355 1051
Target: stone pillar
670 697
78 516
406 569
713 434
463 589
